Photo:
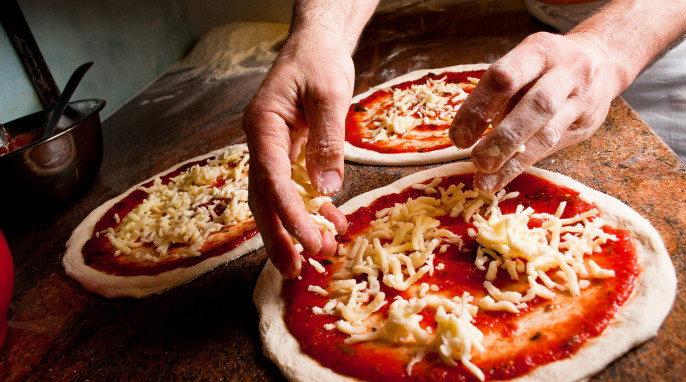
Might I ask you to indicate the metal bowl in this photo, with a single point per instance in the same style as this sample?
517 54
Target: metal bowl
56 169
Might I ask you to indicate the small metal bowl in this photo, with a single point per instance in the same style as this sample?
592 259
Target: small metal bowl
57 169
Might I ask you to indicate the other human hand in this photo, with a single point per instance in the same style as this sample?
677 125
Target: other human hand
551 91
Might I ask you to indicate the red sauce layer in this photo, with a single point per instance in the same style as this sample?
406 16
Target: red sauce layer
98 252
20 140
375 362
358 126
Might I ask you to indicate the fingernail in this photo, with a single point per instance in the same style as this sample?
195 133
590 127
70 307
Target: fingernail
460 139
288 269
487 182
329 182
292 271
487 158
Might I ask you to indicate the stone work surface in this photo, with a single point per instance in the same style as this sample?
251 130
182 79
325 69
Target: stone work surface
207 329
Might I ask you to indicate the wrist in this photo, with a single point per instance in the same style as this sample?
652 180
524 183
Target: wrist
632 33
620 69
314 40
331 22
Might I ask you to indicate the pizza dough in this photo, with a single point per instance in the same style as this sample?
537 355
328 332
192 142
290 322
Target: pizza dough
361 155
636 321
138 286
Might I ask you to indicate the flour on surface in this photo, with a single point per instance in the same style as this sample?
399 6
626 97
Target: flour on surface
236 48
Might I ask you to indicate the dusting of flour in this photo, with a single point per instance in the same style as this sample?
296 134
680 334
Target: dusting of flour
237 48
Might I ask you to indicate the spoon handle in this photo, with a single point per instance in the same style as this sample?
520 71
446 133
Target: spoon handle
65 97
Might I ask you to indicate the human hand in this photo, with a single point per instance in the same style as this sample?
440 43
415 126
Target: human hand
551 91
305 96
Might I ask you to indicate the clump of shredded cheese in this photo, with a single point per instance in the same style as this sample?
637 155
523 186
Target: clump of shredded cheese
431 103
188 208
507 242
400 249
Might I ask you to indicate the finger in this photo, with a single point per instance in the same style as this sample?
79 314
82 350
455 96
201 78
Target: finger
270 173
537 108
590 118
329 244
544 142
277 241
325 112
499 83
298 137
335 216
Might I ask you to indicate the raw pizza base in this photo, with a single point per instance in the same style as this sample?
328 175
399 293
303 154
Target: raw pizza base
114 286
637 321
361 155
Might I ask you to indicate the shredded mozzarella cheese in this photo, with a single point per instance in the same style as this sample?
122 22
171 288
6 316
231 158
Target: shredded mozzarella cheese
508 237
434 102
188 208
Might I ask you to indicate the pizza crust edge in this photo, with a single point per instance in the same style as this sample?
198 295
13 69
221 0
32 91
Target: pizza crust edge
637 320
115 286
364 156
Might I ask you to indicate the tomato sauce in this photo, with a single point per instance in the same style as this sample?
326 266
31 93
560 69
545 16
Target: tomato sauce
378 362
20 140
358 126
98 252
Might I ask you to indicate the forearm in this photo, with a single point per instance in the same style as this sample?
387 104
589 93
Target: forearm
327 20
633 33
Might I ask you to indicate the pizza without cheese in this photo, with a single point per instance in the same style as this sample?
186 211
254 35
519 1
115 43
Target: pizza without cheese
405 121
548 280
167 230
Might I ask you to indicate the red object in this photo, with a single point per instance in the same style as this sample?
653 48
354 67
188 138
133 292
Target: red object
6 285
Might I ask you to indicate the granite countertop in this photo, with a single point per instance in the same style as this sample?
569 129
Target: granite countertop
207 329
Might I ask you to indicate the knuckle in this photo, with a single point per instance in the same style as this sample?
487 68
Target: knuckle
324 149
585 69
544 44
339 88
549 137
543 40
332 88
510 137
543 101
506 76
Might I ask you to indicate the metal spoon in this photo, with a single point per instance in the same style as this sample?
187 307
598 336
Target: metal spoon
65 97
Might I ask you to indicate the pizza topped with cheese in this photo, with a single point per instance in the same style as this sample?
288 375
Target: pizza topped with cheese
167 230
436 280
406 121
